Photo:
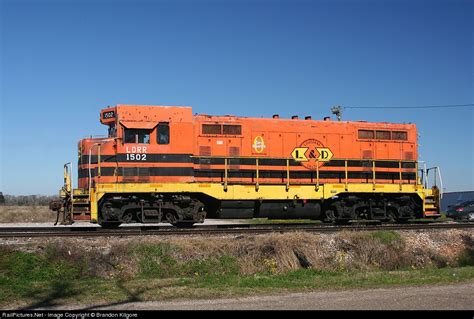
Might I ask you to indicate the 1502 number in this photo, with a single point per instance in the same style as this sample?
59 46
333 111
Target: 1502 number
136 157
108 115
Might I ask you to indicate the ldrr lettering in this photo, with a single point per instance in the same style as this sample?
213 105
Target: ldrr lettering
135 149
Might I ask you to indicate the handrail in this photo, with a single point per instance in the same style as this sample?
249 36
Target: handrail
437 172
346 175
291 158
239 157
416 175
317 169
257 175
440 182
373 175
225 175
90 174
317 174
68 184
72 190
400 181
98 160
67 178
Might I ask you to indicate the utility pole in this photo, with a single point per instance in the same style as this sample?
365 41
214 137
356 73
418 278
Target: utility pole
337 110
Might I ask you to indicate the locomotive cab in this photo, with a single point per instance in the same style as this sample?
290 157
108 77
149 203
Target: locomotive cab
144 145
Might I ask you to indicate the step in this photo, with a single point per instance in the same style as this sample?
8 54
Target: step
432 214
81 217
81 202
151 220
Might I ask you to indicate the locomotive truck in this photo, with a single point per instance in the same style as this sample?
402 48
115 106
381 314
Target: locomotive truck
164 164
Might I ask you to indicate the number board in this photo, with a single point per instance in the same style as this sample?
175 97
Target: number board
108 115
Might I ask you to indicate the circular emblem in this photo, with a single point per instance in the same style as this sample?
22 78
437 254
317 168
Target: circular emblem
258 144
314 154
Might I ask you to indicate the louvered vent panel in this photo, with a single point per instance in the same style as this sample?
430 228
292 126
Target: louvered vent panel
204 163
234 163
367 154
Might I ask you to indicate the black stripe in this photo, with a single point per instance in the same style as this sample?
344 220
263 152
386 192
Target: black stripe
244 161
282 162
138 171
311 175
152 158
369 163
187 158
219 173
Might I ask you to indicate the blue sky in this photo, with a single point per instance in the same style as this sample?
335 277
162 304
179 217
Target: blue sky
62 61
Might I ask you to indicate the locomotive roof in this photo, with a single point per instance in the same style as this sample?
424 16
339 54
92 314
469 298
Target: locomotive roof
154 113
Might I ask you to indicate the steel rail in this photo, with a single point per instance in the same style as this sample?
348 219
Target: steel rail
88 231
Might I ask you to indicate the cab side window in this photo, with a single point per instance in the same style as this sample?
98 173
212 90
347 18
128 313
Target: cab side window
112 130
163 133
136 136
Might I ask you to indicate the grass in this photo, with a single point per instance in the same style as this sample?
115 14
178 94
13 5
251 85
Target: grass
102 291
440 219
157 261
304 279
70 271
23 275
165 270
386 237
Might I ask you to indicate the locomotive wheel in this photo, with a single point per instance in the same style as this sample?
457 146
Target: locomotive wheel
171 218
108 225
127 217
330 217
392 216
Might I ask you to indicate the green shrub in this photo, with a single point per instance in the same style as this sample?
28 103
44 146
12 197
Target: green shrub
387 237
466 257
158 261
155 261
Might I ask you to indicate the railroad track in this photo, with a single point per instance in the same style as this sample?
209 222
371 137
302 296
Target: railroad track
139 230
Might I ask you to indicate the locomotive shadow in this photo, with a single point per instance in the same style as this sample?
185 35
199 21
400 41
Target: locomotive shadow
64 290
131 297
59 290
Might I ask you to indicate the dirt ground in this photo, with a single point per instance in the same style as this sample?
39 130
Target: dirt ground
442 297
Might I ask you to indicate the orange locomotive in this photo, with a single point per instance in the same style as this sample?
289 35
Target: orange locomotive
162 163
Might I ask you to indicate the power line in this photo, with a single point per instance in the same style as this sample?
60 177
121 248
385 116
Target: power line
410 107
337 110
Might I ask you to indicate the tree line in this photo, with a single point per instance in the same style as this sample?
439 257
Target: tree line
27 200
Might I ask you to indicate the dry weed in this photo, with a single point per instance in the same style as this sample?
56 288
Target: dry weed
271 253
26 214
